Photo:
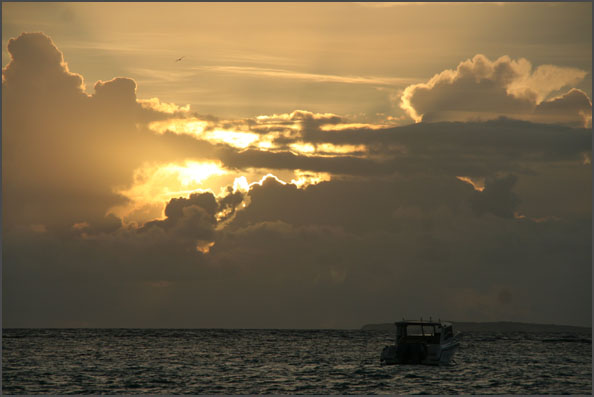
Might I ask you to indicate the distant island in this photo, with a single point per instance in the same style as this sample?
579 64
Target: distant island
499 326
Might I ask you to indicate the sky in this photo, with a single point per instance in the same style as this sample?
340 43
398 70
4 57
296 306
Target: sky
295 165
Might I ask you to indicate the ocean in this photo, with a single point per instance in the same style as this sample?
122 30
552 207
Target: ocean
221 361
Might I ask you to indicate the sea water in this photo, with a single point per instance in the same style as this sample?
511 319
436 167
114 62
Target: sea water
218 361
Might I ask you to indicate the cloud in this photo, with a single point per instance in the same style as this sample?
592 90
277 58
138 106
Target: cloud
164 107
329 255
189 219
195 218
544 80
497 198
36 64
328 143
483 89
265 132
315 77
68 147
117 93
474 149
562 109
336 237
386 207
109 224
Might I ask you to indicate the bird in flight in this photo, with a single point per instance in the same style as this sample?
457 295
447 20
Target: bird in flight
180 58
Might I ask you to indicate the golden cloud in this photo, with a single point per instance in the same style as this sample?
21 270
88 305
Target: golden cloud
483 89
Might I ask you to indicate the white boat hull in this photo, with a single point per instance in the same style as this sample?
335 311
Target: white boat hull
447 352
420 354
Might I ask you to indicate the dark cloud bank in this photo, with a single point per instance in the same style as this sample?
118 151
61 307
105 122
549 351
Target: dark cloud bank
393 234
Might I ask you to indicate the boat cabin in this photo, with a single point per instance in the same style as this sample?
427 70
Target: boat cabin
421 342
427 332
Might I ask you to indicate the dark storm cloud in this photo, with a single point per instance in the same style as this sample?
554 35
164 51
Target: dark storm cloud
192 217
335 254
490 147
455 148
311 120
497 198
108 224
228 204
572 108
287 160
380 245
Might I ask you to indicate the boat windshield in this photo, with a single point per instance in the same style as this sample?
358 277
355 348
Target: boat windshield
419 330
414 333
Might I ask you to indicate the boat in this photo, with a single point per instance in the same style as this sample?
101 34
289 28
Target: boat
422 342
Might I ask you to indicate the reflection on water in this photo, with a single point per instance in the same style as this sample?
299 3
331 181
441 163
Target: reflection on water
134 361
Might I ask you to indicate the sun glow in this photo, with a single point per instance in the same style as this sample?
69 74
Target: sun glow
477 183
155 184
267 176
236 139
195 173
352 126
301 180
327 149
204 130
204 246
164 107
189 126
304 178
263 134
303 148
241 184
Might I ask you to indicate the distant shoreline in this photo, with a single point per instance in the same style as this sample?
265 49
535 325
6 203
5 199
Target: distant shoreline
498 326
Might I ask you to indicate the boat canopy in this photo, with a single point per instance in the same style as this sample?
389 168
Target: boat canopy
404 323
